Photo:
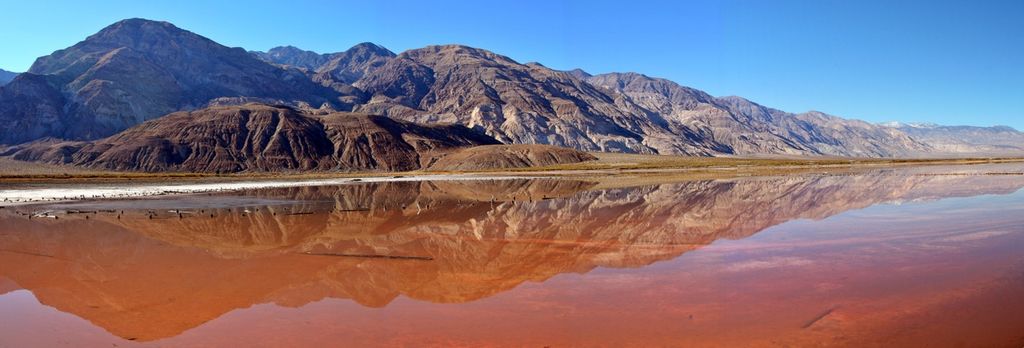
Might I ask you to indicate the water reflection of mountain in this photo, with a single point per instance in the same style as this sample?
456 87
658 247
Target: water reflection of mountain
147 279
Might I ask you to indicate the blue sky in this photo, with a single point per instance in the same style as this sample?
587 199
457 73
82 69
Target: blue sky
951 62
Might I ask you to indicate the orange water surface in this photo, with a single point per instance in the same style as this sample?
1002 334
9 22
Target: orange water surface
927 256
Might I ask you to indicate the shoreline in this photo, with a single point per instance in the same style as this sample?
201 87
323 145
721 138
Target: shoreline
70 188
10 197
609 163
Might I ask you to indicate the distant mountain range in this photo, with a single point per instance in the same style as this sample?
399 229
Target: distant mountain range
965 139
137 70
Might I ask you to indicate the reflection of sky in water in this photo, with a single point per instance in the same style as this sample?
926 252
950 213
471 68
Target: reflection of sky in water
881 218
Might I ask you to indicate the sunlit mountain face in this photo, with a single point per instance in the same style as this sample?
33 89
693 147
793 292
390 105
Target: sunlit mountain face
865 258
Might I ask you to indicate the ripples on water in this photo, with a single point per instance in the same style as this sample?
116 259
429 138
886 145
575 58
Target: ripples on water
887 257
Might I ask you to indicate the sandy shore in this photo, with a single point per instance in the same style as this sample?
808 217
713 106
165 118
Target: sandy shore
67 193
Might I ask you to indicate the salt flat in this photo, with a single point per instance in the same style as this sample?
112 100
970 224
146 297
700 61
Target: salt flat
72 192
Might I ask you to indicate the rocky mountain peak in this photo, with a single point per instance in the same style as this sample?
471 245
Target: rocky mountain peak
135 70
292 56
369 49
734 99
631 81
454 54
344 68
136 27
655 93
316 62
158 39
358 55
579 74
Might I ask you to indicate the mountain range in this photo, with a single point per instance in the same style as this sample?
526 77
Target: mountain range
957 139
137 70
258 137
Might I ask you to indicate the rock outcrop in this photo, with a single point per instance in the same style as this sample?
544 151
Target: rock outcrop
256 137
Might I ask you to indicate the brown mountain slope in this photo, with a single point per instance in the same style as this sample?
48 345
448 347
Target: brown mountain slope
515 103
529 103
257 137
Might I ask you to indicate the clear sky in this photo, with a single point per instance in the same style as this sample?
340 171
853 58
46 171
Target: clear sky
950 62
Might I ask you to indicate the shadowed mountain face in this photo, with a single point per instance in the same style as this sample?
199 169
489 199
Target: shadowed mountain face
440 242
6 76
344 67
293 57
136 70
